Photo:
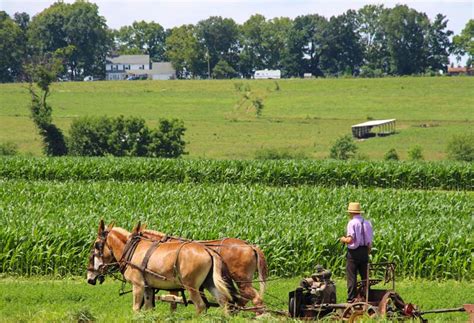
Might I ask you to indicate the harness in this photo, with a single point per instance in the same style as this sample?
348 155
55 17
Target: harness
129 251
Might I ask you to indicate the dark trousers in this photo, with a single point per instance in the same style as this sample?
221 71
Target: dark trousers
357 261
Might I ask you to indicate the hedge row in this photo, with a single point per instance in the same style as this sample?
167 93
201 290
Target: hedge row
328 173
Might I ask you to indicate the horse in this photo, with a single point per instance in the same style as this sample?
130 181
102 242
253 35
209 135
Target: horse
241 259
150 265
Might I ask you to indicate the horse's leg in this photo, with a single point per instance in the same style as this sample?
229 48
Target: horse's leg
249 293
195 296
138 291
149 295
173 305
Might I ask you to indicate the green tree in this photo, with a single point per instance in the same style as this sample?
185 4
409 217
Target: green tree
12 49
405 31
254 54
461 147
219 39
439 45
341 50
78 26
464 43
142 38
43 74
372 37
276 40
184 51
305 45
263 44
344 148
223 70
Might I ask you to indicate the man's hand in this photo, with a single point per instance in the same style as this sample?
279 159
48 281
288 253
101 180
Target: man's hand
346 240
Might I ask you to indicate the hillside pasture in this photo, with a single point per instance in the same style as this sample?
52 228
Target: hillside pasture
303 116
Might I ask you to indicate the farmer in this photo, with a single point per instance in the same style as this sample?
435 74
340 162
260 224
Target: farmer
359 242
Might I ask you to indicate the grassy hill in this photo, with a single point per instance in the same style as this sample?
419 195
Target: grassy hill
303 116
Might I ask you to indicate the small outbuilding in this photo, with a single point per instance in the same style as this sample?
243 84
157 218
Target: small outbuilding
380 127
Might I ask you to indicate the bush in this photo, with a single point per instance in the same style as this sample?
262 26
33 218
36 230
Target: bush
461 147
391 155
415 153
8 149
102 136
344 148
223 70
275 154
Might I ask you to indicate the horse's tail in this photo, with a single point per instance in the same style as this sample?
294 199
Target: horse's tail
262 269
222 279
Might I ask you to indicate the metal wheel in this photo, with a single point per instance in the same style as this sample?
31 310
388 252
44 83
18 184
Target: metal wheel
391 305
358 311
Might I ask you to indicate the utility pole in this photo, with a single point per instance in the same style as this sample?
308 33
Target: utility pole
208 64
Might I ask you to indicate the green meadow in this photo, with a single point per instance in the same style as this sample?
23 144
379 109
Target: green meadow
299 116
73 300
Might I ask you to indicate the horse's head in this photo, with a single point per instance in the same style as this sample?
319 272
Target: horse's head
101 255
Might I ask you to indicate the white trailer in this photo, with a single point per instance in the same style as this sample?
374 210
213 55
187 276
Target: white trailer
267 74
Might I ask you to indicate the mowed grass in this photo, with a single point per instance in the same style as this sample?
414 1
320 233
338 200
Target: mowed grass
303 116
69 300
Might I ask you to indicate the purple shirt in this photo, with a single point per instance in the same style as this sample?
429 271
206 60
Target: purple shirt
360 236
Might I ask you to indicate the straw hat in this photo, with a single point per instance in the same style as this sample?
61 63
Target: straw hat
354 207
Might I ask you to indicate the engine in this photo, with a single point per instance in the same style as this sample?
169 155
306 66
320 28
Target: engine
315 290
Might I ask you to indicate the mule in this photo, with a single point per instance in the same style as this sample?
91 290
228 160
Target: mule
241 259
149 265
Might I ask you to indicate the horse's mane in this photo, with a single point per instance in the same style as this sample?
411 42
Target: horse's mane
122 234
154 233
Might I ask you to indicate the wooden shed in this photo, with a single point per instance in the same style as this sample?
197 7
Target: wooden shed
380 127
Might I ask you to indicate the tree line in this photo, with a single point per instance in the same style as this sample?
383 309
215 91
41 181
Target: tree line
370 42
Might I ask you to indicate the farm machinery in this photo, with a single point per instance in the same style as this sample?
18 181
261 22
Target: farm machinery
315 298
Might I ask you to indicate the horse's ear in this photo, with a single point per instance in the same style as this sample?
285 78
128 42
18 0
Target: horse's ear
110 226
101 226
143 227
137 229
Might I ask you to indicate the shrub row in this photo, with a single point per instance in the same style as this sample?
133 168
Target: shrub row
48 227
329 173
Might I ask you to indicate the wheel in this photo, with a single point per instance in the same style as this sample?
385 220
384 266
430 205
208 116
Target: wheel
391 306
358 311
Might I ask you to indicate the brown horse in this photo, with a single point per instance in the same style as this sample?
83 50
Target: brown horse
241 258
148 265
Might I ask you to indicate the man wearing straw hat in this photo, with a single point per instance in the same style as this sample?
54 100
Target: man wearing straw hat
359 242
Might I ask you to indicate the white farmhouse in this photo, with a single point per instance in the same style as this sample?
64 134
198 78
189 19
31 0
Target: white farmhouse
137 67
120 67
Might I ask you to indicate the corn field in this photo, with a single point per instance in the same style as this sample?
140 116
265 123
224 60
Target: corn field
47 223
328 173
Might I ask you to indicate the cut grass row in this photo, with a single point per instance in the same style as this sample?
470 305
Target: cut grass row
69 300
329 173
47 227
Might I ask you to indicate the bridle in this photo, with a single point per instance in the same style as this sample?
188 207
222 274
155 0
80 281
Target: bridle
98 251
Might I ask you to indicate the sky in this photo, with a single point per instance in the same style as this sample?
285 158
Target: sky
171 13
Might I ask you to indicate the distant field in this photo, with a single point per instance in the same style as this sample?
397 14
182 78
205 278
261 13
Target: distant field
303 116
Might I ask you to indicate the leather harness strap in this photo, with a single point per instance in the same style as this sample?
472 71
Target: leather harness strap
145 260
128 252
